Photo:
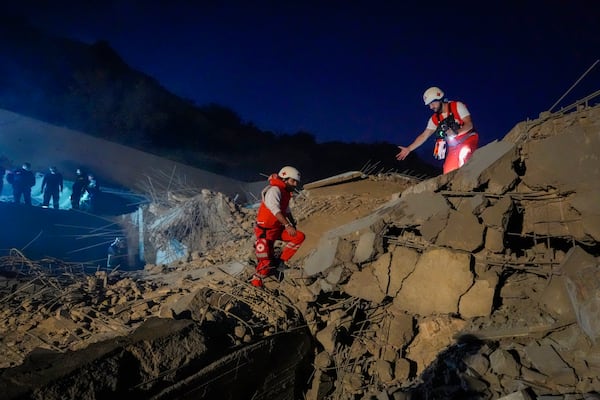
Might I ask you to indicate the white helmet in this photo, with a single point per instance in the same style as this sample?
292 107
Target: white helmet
289 172
432 94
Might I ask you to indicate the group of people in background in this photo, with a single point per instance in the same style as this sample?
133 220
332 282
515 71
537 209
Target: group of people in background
85 187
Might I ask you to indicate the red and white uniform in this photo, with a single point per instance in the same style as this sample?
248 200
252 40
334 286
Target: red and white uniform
275 198
461 147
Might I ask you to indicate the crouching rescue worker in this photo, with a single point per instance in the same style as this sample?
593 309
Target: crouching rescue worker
274 221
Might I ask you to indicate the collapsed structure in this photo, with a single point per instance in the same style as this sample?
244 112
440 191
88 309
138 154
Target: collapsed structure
476 284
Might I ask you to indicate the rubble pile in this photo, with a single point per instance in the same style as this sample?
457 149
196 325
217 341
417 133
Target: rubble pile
496 262
53 305
199 222
80 336
478 284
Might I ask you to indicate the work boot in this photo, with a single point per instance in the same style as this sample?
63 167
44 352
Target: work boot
256 281
282 266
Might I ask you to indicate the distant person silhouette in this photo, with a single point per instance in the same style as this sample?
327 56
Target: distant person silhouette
22 180
52 186
92 193
117 253
78 188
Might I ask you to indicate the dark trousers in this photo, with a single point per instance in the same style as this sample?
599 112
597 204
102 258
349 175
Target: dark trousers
75 201
26 193
51 194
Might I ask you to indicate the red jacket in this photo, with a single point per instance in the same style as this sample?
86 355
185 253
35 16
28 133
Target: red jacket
452 110
265 218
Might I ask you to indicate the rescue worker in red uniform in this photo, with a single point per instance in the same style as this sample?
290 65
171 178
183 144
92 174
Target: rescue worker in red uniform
274 221
456 139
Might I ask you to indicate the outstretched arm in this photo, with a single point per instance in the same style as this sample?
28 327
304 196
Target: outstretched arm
405 151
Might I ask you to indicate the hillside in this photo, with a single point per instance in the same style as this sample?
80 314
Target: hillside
89 88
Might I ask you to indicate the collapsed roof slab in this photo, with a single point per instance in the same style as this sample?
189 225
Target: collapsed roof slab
491 165
569 162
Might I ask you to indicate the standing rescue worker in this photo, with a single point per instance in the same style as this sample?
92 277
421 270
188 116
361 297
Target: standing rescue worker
22 180
456 139
92 189
52 186
78 188
274 221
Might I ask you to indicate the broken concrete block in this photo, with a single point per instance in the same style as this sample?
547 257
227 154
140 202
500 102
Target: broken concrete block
178 305
478 300
546 360
556 301
334 275
586 202
434 335
552 219
478 363
477 203
400 330
520 395
327 337
498 214
364 248
494 240
402 264
463 232
582 279
364 285
402 369
493 160
381 269
503 363
431 228
429 185
532 376
345 250
415 209
577 167
322 258
383 370
440 277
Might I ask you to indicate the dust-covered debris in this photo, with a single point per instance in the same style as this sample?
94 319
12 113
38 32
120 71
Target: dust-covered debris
476 284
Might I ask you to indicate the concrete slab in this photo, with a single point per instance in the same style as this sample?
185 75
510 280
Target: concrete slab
473 174
332 180
550 165
580 270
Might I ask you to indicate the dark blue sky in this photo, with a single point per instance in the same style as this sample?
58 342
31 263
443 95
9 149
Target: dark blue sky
349 70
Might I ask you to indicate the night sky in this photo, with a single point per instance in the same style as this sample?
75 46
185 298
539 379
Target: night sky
352 71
